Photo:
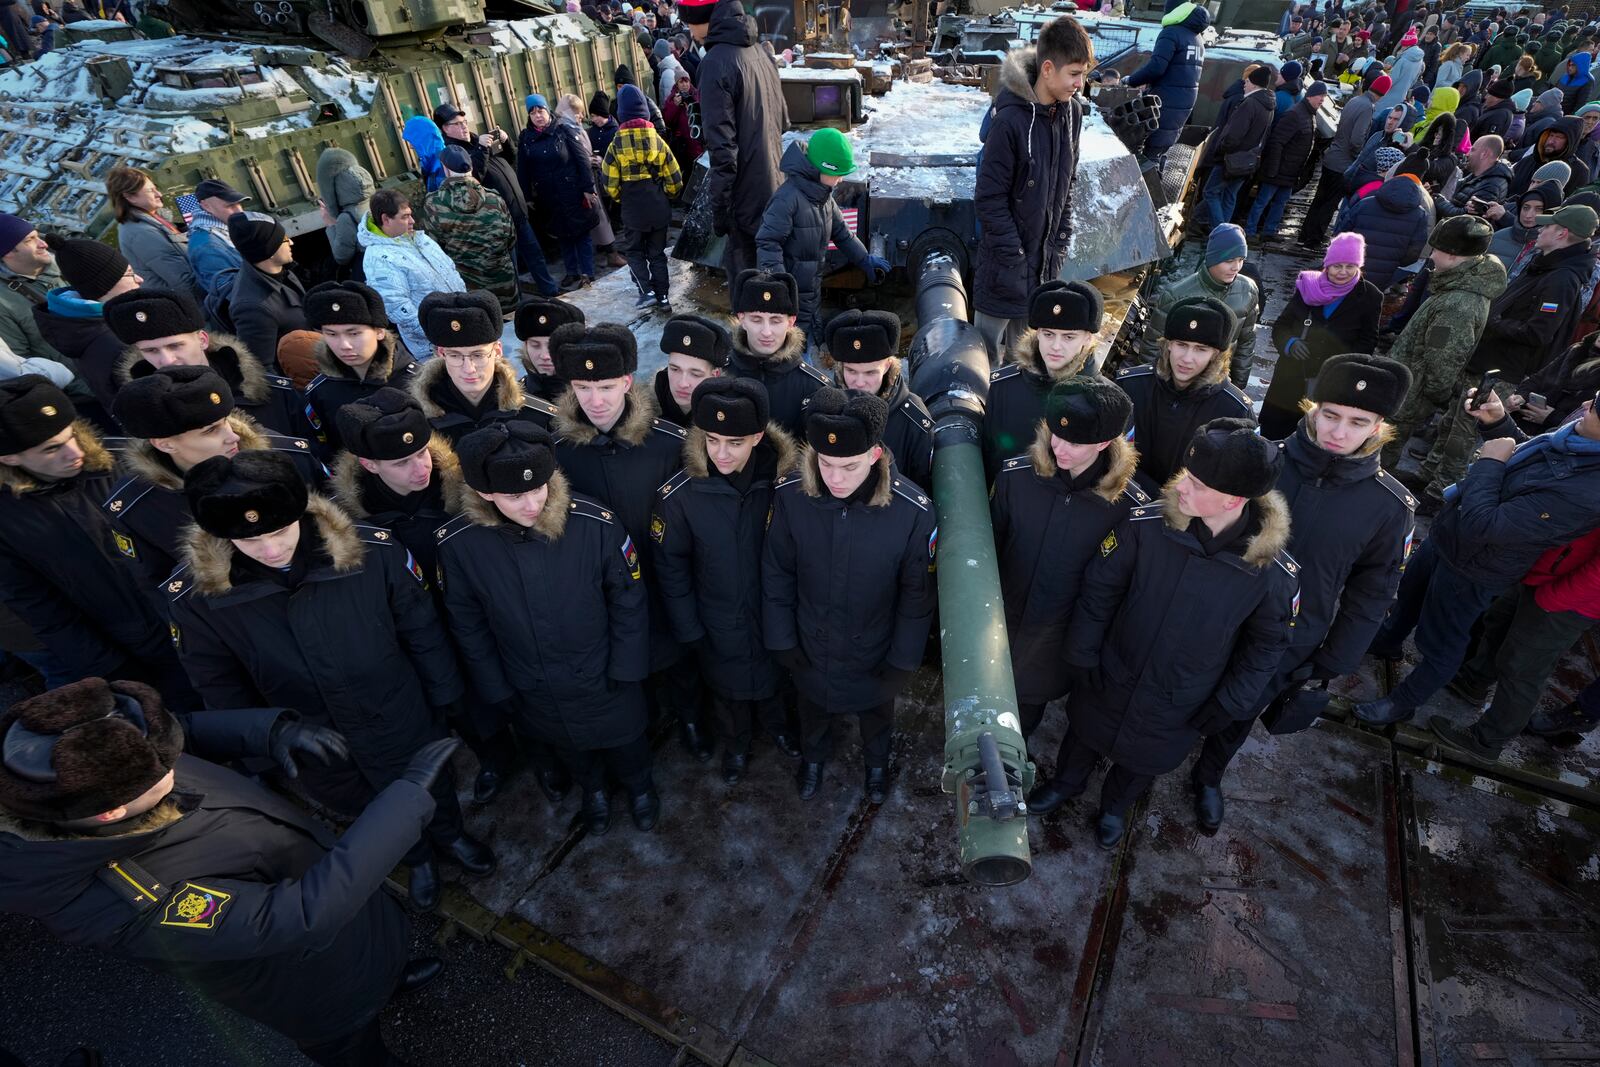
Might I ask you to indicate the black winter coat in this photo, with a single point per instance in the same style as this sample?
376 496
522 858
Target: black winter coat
453 416
1532 321
1394 221
1561 383
355 645
571 642
1246 127
1047 527
235 891
1495 119
1023 195
1352 327
800 220
412 518
64 574
743 116
848 585
706 538
1173 72
1016 401
1288 147
269 399
908 435
498 171
1171 626
555 172
337 385
1535 156
789 379
90 346
264 307
1490 187
1165 417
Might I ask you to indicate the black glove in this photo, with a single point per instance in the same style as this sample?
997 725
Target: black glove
793 660
1212 718
290 736
429 761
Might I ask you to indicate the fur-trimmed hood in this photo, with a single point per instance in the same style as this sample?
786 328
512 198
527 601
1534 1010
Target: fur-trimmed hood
570 424
1216 371
811 478
145 460
788 353
432 376
1122 457
210 558
1026 353
227 355
1018 72
96 460
552 521
345 482
381 367
1271 512
697 462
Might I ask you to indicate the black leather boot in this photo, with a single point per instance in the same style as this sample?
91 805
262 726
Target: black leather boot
1109 831
1208 806
597 812
418 973
645 808
809 780
694 739
877 784
734 764
786 745
1048 797
487 786
555 783
475 858
425 885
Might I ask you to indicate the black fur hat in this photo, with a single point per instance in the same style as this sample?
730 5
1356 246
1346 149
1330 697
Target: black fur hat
730 407
541 318
697 336
84 748
461 320
855 336
1066 306
840 423
250 494
758 290
593 353
1204 320
1230 456
1462 235
1372 383
172 401
507 457
389 424
146 314
32 410
1087 409
344 304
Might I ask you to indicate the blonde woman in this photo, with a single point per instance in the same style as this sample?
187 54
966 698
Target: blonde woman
1452 65
154 247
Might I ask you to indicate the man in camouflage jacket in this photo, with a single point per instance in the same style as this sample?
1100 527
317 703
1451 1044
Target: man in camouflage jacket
473 226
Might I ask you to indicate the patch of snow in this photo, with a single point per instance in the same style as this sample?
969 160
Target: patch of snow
812 74
351 93
915 118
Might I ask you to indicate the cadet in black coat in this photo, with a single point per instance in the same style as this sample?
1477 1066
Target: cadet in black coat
63 570
165 329
861 352
847 582
1180 623
535 321
326 617
706 537
175 419
469 382
1186 388
697 348
358 355
1063 325
190 869
770 348
1051 510
1352 529
567 649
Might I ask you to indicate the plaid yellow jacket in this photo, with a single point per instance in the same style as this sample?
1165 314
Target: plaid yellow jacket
638 154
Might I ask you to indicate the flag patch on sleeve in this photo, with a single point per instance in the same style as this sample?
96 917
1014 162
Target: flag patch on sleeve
1548 307
630 555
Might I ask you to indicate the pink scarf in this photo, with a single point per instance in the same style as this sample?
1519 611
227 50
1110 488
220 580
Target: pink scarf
1316 290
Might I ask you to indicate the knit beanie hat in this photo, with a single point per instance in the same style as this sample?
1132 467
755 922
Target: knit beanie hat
631 104
12 231
1291 70
1382 84
257 240
1348 247
1521 99
599 105
1387 158
533 100
1261 75
90 267
1226 242
830 153
1500 89
455 160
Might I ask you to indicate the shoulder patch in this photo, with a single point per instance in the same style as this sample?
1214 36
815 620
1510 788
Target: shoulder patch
451 528
128 492
375 535
1151 511
673 484
1134 493
786 481
1000 374
912 493
313 383
1238 394
1290 565
178 584
1017 463
815 374
590 510
539 404
279 383
278 442
1136 372
1394 485
670 428
196 907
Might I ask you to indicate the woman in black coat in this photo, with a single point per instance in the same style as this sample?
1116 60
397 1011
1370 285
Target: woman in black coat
553 166
1333 311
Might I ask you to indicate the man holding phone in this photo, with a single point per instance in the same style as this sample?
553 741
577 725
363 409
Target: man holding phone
1485 180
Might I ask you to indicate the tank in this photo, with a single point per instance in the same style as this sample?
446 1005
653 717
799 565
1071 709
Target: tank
257 108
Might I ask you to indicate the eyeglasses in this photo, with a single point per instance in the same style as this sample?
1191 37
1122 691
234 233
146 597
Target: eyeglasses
469 356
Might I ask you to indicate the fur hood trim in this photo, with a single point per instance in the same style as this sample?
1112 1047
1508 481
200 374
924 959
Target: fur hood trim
433 374
252 385
145 460
634 426
210 558
1026 353
1271 509
381 367
811 478
698 464
1018 73
552 521
96 460
1216 371
1122 456
345 482
162 815
793 347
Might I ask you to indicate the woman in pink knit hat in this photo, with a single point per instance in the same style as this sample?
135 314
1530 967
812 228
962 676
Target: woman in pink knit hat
1333 310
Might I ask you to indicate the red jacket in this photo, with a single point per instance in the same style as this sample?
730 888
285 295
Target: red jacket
1568 578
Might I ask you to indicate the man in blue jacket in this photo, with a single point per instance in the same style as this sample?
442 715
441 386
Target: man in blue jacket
1173 72
211 250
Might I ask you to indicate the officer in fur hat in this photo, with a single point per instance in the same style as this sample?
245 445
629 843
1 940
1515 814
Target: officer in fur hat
1181 621
1052 509
849 541
284 600
568 664
1352 527
697 348
705 547
358 355
469 380
163 329
1063 328
63 570
176 418
536 320
863 353
769 347
114 837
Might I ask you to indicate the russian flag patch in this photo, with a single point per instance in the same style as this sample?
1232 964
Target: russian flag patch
1548 307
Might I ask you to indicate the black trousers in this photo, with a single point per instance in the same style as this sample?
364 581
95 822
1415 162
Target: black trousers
1031 715
735 720
816 732
347 791
647 259
675 691
1519 646
1218 750
489 737
1075 762
360 1048
628 763
1330 191
738 251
